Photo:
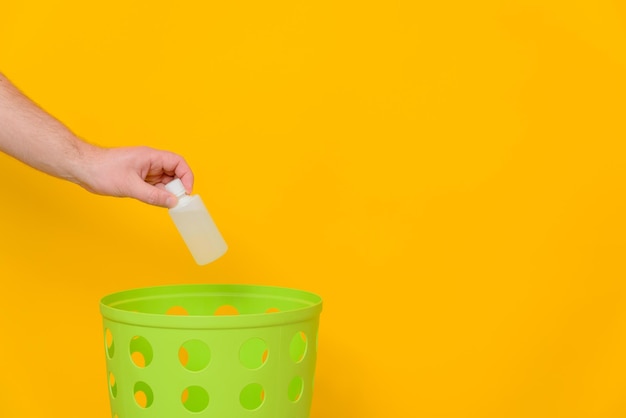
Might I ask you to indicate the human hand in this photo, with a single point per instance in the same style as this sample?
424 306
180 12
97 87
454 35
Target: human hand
137 172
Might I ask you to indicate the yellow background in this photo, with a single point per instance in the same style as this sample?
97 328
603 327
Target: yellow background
449 175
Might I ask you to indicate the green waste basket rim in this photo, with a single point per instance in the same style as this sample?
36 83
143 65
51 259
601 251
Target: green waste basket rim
312 306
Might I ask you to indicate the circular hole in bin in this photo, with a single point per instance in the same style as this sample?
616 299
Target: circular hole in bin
294 391
140 351
253 353
143 394
112 384
109 343
194 355
226 310
298 347
252 396
177 310
195 399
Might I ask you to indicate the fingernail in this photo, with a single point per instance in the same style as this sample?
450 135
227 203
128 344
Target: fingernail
171 202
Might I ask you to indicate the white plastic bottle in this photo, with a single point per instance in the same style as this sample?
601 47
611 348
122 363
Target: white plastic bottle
195 225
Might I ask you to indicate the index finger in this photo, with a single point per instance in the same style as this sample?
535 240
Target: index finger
176 164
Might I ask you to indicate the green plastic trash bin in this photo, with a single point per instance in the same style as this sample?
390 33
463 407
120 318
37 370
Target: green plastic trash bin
228 351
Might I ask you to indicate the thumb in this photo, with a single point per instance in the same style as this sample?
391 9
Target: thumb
152 195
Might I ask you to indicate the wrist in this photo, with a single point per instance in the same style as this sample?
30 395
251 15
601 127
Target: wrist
81 163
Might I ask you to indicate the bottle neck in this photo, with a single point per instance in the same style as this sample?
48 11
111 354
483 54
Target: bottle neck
183 199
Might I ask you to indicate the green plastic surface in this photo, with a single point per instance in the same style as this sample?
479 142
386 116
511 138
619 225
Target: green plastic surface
211 351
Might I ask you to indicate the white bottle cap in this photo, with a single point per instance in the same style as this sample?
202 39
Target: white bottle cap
176 187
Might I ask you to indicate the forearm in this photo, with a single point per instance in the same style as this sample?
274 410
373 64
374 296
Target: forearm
34 137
